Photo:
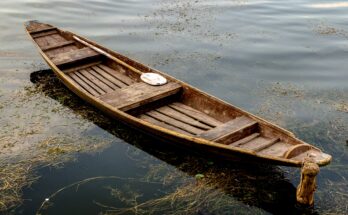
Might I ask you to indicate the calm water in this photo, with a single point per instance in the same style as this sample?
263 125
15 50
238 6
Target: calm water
283 60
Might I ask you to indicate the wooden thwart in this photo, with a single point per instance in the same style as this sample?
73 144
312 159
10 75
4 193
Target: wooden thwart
139 94
74 56
45 34
42 30
57 45
231 131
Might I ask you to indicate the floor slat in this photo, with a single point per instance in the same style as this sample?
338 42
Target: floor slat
164 125
83 85
117 75
202 117
111 78
168 120
91 84
182 117
96 81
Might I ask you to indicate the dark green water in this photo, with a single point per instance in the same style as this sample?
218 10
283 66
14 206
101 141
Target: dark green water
283 60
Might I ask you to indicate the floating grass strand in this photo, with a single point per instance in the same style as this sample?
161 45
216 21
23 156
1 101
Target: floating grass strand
84 181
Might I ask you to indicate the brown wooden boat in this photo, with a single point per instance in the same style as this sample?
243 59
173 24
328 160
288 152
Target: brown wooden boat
175 111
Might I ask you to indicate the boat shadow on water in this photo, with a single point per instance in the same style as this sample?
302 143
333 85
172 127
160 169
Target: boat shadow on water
263 186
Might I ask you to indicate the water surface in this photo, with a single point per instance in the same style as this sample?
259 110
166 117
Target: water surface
283 60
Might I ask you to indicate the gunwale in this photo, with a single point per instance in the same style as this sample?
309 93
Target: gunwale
188 140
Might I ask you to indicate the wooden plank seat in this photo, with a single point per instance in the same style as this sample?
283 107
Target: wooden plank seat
57 45
74 56
231 131
43 29
139 94
44 34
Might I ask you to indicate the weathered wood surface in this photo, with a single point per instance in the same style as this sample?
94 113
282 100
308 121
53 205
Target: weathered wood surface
84 66
244 140
57 45
260 143
82 84
89 83
111 78
119 76
233 130
296 150
73 56
39 30
139 94
45 34
277 150
176 123
167 110
198 115
162 124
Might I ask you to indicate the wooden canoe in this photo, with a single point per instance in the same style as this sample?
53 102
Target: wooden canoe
175 111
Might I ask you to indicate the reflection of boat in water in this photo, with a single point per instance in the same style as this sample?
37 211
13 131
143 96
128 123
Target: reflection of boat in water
173 111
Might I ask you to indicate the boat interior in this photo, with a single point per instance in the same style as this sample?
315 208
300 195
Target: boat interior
174 106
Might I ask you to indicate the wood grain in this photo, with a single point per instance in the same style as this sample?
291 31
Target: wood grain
139 94
202 117
73 56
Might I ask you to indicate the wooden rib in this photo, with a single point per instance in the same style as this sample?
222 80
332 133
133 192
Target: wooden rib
103 79
91 84
73 69
162 124
166 110
296 150
139 94
44 34
95 80
57 45
202 117
117 75
174 122
231 131
277 150
42 30
259 143
109 77
82 84
245 140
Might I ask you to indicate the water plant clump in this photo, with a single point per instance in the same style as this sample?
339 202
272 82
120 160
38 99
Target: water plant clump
32 136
